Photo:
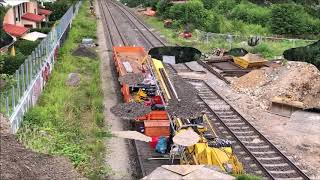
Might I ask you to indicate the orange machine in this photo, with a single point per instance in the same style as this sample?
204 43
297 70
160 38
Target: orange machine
132 60
129 60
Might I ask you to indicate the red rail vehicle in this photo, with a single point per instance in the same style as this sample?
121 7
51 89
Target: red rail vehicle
131 61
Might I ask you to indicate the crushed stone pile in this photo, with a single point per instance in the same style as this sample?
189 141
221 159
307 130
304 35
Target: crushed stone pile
131 79
186 106
130 111
184 109
18 162
84 52
298 81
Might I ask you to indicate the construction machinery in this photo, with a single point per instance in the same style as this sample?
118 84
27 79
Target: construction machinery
208 150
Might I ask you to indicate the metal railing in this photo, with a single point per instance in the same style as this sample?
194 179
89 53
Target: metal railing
31 77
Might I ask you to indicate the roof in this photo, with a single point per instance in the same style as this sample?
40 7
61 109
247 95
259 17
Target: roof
14 2
33 17
44 12
15 30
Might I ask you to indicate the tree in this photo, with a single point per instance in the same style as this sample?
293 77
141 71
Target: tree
163 7
190 13
292 19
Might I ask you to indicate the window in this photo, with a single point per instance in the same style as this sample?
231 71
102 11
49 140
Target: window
26 6
23 8
19 13
14 15
28 26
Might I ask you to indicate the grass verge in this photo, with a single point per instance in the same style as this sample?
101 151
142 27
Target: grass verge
68 120
268 49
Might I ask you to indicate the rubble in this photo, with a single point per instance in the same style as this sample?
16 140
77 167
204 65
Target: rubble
19 162
297 81
84 52
130 111
73 79
131 78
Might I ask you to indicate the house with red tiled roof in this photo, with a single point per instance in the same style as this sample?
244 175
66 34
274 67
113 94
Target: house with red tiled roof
22 15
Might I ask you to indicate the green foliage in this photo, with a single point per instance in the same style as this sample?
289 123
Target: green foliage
248 177
224 7
11 63
291 19
26 47
251 13
5 39
69 121
191 13
44 30
214 22
59 8
209 4
150 3
163 7
310 54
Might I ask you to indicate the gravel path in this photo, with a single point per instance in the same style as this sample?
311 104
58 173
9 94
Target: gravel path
118 156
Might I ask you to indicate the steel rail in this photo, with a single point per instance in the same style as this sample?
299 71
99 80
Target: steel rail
124 10
272 146
112 37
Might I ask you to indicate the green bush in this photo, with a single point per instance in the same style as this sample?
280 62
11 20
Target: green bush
150 3
26 47
163 7
213 22
191 13
209 4
11 63
292 19
58 8
44 30
251 13
225 6
247 177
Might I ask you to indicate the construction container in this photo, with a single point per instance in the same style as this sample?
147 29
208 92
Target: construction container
250 61
157 128
128 60
154 115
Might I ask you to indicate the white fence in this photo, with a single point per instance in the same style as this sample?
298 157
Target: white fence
33 74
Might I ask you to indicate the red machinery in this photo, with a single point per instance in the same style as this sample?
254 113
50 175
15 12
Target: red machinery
132 60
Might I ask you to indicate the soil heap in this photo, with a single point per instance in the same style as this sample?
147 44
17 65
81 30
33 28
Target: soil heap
18 162
298 81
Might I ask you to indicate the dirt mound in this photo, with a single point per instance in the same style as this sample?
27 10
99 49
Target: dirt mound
18 162
298 81
84 52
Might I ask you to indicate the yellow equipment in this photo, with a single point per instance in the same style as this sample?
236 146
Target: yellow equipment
210 150
250 61
140 96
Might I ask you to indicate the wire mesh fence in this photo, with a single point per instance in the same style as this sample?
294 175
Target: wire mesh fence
31 77
227 41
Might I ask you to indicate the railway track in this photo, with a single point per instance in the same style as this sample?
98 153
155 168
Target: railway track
261 157
113 31
109 11
150 37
